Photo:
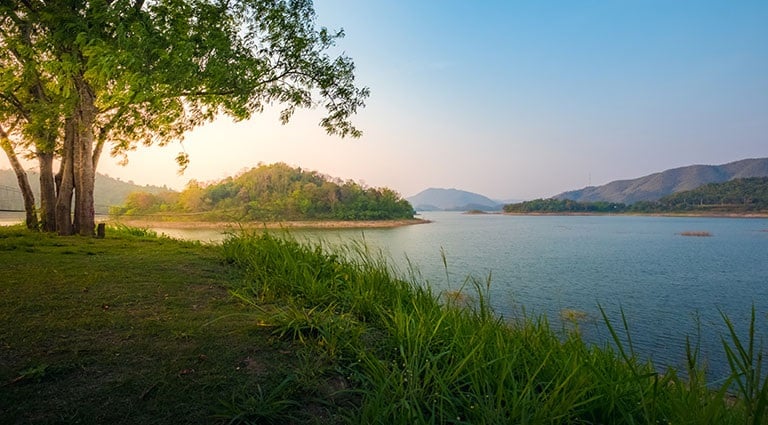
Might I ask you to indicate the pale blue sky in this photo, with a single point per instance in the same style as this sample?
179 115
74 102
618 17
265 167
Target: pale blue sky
516 99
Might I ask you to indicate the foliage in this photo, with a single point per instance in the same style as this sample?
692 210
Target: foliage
734 196
563 205
272 192
742 195
746 363
77 75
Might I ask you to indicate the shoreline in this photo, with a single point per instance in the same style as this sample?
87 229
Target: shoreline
305 224
703 215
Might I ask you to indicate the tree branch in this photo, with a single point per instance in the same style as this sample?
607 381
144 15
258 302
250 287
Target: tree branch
16 104
102 137
27 4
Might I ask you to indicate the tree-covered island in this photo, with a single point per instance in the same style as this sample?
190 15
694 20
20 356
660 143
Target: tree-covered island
738 196
275 192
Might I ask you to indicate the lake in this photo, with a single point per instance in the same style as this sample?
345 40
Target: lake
668 285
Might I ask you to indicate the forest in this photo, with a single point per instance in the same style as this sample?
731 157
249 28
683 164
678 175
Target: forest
273 192
735 196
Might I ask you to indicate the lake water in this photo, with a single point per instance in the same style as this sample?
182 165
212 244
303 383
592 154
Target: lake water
668 285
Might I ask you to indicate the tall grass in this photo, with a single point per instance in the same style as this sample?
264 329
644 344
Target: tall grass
123 230
746 363
411 358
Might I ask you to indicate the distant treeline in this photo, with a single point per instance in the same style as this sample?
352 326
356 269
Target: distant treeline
563 205
272 193
734 196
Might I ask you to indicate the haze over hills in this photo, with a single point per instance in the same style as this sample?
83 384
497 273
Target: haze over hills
437 199
107 192
655 186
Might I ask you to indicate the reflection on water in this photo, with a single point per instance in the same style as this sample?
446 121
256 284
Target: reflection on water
202 235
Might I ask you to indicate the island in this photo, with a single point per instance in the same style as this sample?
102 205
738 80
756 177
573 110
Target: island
275 195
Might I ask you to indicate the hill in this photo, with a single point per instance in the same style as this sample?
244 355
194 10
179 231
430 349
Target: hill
655 186
275 192
737 196
108 191
435 199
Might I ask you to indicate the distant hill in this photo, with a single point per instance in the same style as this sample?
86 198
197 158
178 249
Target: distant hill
434 199
107 192
655 186
738 196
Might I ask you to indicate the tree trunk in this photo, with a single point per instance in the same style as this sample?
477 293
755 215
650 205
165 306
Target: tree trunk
83 154
21 177
97 151
47 192
65 181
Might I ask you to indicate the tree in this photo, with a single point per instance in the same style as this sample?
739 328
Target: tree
21 176
25 107
81 74
191 199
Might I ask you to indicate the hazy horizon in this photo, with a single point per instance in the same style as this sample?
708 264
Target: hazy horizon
512 100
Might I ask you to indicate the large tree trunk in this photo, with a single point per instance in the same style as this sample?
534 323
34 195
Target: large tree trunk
47 192
65 181
21 177
85 174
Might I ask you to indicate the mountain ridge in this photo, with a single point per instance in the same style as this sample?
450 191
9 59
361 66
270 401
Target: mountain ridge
654 186
439 199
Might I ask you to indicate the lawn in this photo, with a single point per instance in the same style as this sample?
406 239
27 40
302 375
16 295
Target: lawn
129 329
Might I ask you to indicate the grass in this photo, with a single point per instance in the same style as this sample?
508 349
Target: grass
263 329
129 329
410 358
696 233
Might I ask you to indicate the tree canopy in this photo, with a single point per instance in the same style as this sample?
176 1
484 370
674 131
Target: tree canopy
563 206
270 193
80 75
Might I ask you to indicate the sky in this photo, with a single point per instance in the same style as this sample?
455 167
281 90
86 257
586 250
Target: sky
512 99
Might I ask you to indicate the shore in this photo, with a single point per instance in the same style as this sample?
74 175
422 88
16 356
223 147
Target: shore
321 224
704 215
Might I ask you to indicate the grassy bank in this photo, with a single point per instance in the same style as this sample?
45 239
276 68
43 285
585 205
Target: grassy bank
129 329
139 329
